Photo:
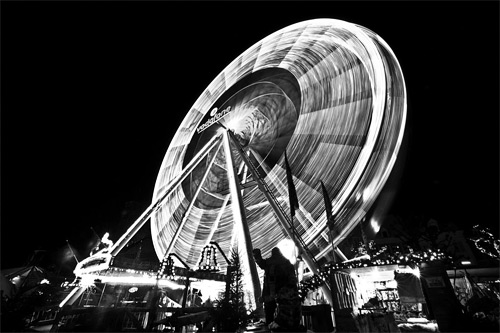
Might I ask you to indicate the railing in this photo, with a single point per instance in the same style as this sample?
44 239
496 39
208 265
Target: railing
317 318
44 315
116 319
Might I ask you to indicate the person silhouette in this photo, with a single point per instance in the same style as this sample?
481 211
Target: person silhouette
279 273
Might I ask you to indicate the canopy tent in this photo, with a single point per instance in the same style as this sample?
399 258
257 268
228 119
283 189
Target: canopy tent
23 278
8 289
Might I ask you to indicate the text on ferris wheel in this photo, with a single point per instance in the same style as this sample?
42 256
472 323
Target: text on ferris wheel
215 118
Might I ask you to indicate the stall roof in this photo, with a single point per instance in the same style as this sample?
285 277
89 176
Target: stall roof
478 273
375 273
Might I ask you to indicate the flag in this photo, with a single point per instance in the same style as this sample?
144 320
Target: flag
94 242
328 207
292 193
72 253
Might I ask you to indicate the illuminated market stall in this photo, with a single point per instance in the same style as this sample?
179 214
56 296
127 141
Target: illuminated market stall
397 290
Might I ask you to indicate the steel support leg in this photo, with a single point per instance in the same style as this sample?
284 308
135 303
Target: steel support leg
241 221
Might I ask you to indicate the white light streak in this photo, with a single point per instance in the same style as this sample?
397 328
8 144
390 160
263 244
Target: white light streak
130 278
416 272
337 105
72 294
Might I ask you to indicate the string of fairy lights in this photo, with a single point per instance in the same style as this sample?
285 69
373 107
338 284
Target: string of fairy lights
208 261
486 242
384 255
399 256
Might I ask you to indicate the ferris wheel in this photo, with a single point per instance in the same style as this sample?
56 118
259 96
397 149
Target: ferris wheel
329 95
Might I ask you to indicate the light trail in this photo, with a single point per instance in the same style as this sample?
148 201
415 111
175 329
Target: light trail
332 94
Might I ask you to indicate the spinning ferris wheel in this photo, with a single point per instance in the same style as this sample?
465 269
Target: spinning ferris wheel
331 95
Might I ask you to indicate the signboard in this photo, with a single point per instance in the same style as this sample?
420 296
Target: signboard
215 117
435 282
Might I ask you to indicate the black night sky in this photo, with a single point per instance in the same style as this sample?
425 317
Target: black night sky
92 93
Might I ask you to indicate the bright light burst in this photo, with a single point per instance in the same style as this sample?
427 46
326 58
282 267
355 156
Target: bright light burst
288 249
375 225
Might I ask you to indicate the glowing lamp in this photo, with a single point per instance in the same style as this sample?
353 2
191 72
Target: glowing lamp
208 261
288 249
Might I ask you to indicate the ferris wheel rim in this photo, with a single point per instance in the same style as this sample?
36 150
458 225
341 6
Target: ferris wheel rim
203 106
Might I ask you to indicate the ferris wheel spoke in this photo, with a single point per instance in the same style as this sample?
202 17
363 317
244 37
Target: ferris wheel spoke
261 163
313 224
336 121
283 191
272 149
306 220
215 225
337 139
191 203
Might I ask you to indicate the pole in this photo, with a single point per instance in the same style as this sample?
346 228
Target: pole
73 253
154 300
102 294
95 233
